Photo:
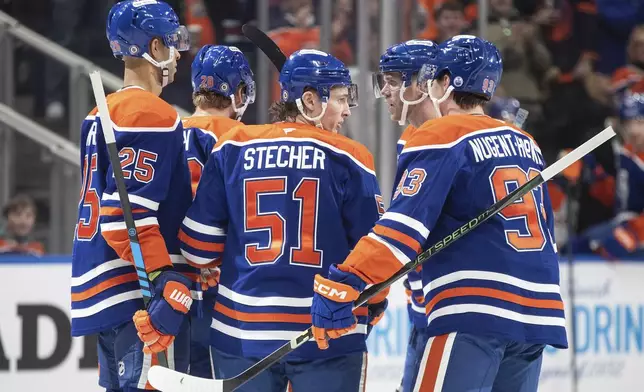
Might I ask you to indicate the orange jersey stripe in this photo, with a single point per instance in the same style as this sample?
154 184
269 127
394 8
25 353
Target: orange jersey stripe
216 124
115 211
273 317
371 261
155 253
494 293
107 284
201 245
430 373
398 236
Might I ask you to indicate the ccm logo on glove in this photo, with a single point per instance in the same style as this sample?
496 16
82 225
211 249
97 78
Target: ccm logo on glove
178 296
340 293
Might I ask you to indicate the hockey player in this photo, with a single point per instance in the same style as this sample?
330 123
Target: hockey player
492 300
105 293
277 204
396 82
223 87
623 236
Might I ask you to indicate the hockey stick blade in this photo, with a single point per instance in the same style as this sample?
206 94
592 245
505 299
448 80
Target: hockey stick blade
168 380
230 384
265 44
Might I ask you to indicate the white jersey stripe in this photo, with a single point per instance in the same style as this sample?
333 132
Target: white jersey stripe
106 303
423 364
142 201
442 367
264 301
113 226
93 273
493 276
196 259
497 312
407 221
400 256
244 334
203 229
148 129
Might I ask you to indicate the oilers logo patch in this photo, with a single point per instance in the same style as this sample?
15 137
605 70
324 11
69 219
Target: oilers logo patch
133 49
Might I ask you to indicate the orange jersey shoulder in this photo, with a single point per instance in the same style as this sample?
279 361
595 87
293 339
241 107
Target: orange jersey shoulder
137 108
246 133
449 129
216 124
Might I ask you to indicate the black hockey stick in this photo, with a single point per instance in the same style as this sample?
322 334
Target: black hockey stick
172 381
110 141
265 44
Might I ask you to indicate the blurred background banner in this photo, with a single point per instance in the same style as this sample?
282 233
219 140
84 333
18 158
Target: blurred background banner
36 349
570 63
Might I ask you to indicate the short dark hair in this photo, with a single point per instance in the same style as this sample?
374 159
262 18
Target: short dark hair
18 203
448 6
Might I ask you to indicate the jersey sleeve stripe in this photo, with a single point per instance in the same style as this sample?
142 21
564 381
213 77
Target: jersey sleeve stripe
148 129
104 285
203 229
469 135
499 312
398 236
298 140
200 245
202 262
107 303
400 256
141 201
273 317
208 133
114 226
249 300
115 211
407 221
491 276
101 269
493 293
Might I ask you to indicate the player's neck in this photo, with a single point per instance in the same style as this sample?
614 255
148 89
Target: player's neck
213 112
453 108
142 77
420 114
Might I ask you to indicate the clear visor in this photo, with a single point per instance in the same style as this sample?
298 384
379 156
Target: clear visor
353 95
248 92
426 75
381 81
179 39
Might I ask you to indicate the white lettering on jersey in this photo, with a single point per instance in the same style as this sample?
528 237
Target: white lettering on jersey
293 157
186 138
501 146
91 135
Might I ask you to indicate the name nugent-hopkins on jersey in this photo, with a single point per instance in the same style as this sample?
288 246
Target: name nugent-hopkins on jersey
500 146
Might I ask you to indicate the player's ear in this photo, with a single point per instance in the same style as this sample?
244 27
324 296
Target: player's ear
156 49
308 100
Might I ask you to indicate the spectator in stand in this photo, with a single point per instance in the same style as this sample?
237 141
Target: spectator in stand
20 216
431 9
617 19
527 64
450 21
631 76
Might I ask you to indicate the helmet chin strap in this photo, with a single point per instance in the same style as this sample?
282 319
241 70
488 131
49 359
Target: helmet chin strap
165 71
239 111
406 104
438 101
315 120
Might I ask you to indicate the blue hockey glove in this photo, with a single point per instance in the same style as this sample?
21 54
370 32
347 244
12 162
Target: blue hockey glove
332 308
171 302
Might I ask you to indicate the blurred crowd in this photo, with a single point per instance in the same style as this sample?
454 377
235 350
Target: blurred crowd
568 63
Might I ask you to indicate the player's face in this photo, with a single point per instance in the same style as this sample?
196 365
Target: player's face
635 134
21 221
337 109
391 92
160 53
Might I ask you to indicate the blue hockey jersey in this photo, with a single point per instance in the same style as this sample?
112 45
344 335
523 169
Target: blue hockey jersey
501 279
416 298
276 205
629 190
104 289
200 133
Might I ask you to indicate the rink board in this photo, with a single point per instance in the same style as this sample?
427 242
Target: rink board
35 349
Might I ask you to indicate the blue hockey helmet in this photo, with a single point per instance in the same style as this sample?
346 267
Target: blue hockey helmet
318 70
406 59
473 65
631 107
222 69
131 26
